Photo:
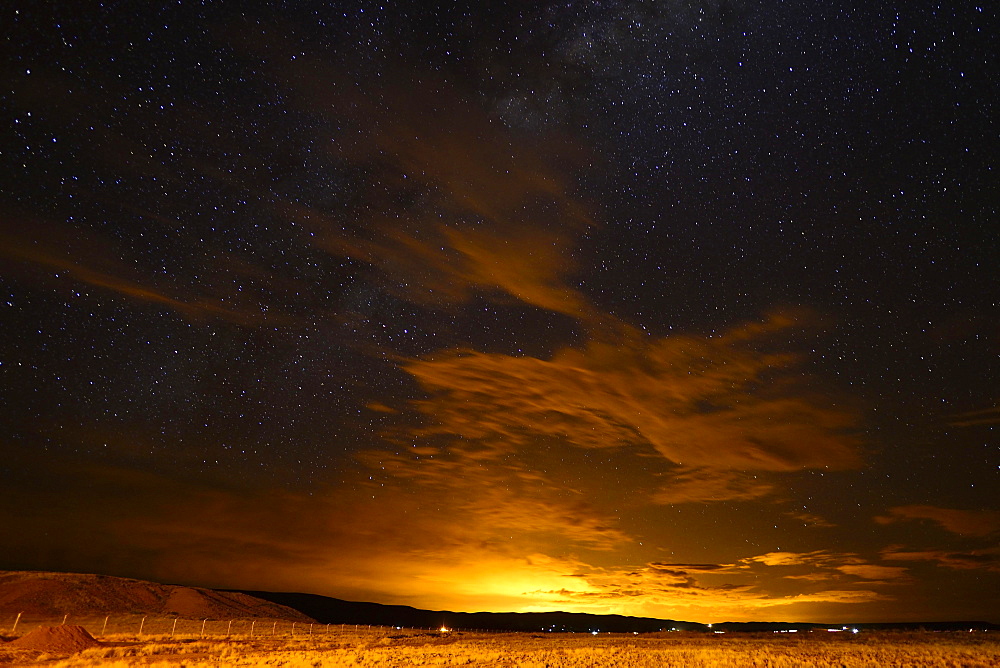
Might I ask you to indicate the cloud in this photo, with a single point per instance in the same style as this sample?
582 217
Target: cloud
790 558
987 559
687 485
466 546
468 208
493 490
462 205
961 522
714 406
811 519
825 565
985 416
874 571
56 254
679 591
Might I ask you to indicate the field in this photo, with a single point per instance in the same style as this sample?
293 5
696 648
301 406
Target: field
163 642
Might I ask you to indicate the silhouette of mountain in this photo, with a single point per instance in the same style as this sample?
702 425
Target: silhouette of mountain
327 610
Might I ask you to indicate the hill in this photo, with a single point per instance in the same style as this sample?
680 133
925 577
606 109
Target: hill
47 594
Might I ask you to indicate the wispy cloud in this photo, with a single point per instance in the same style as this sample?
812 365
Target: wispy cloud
56 255
463 205
470 546
817 557
984 416
987 559
961 522
810 519
875 571
678 589
496 492
716 407
701 485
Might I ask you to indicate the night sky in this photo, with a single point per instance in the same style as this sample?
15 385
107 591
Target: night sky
684 309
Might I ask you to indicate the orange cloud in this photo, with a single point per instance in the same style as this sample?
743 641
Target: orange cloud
961 522
826 565
987 559
436 547
687 485
496 491
790 558
713 406
467 206
88 260
811 519
874 571
677 590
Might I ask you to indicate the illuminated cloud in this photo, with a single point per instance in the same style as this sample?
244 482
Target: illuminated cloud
412 543
826 565
672 590
465 206
688 485
716 407
57 255
811 519
494 490
961 522
790 558
499 220
440 264
874 571
987 559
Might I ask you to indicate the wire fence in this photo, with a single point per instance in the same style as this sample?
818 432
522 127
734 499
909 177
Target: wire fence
145 627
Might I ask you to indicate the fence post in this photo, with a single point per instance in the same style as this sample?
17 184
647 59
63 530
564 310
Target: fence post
105 627
273 627
141 624
203 627
15 623
229 630
64 619
252 624
293 629
173 628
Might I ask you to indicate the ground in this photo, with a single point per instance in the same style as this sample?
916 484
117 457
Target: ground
253 643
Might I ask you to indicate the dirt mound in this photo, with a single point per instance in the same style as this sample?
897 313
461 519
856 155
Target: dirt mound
52 595
59 639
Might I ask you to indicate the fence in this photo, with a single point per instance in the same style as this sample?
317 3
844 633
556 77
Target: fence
139 627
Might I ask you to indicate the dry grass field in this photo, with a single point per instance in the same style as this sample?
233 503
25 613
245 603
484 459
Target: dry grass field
278 644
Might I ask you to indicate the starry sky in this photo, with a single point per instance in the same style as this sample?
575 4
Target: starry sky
672 308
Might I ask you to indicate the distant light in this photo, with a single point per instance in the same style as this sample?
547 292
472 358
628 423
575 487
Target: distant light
594 633
445 629
854 630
